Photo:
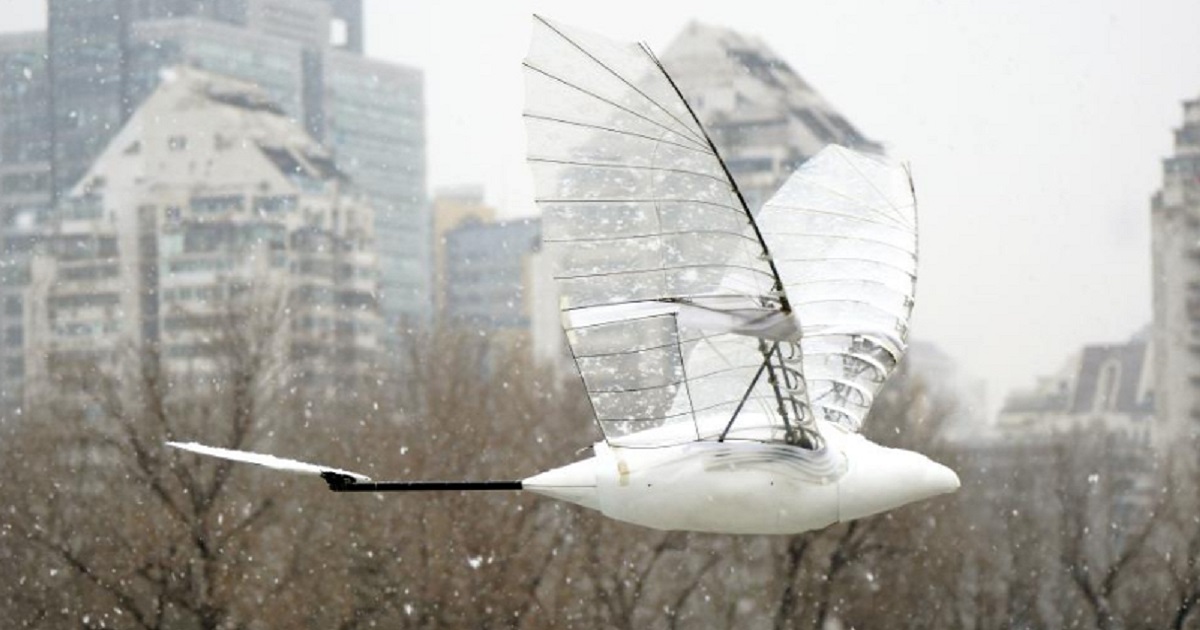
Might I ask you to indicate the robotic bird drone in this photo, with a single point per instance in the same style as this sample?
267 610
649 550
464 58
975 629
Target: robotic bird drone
730 357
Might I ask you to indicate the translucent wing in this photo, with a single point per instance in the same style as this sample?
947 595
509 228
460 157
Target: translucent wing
843 232
671 308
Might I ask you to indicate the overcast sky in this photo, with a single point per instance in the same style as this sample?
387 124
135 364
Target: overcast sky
1035 131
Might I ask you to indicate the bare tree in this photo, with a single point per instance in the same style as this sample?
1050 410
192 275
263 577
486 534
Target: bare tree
106 528
148 542
1177 547
1098 549
813 568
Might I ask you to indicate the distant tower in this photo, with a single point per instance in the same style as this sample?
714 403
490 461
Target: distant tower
88 48
1175 217
764 118
451 208
24 124
486 273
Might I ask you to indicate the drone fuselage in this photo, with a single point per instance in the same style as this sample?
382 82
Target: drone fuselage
747 487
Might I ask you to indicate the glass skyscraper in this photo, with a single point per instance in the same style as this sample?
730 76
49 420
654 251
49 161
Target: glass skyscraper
372 115
67 91
72 88
25 133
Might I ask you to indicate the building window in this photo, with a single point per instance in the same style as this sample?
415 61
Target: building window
1108 386
177 143
221 203
339 33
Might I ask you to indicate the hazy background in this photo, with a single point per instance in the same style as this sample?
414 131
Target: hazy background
1035 132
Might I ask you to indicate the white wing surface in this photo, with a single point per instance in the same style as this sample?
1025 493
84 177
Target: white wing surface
655 252
843 233
269 461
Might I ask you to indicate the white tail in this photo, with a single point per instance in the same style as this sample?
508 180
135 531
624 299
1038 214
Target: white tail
270 461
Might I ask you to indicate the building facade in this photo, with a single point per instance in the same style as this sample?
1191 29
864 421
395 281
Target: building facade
25 129
92 51
372 118
1107 389
453 207
1175 234
487 268
498 282
101 58
209 209
763 117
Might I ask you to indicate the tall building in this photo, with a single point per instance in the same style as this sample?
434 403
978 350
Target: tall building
453 207
1175 234
373 119
103 57
493 276
91 46
487 269
25 135
210 206
764 118
497 281
273 63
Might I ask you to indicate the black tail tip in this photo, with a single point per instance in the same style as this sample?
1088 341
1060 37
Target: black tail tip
337 480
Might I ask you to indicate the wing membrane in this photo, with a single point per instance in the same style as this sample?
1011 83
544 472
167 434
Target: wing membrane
843 232
670 305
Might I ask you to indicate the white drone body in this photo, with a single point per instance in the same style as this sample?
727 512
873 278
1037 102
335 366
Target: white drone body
730 354
747 487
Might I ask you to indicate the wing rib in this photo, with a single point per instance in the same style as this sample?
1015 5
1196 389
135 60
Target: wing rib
621 78
798 435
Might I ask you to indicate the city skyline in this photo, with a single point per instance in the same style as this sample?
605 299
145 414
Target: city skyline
1035 134
95 68
714 295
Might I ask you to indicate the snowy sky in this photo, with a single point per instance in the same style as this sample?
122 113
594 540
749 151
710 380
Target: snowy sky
1035 130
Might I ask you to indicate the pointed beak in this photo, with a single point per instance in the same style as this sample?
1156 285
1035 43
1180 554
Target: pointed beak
885 479
940 479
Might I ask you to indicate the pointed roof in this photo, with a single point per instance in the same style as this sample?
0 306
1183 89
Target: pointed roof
733 78
203 127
